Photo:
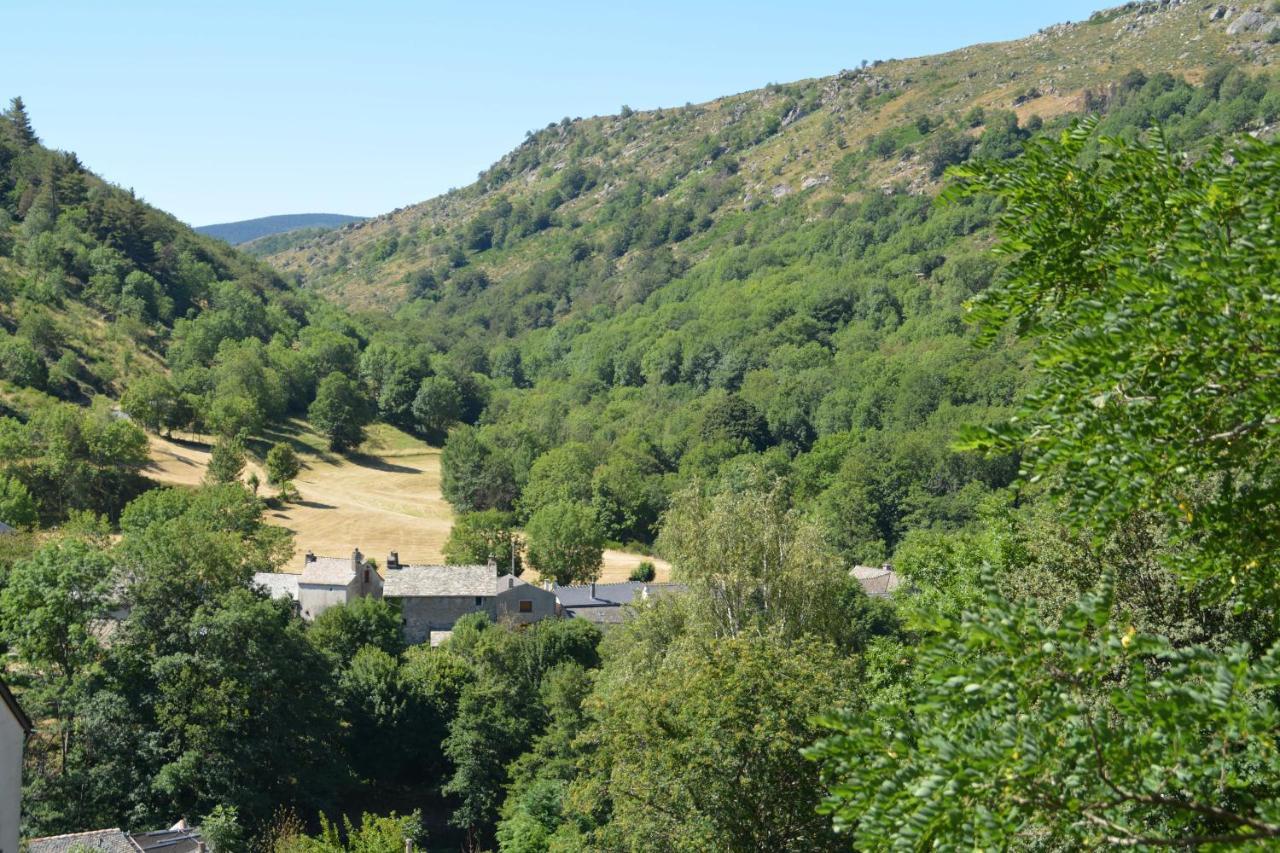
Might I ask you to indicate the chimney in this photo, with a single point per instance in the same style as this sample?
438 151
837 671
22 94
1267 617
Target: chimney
511 583
408 845
593 590
309 558
393 561
200 848
357 560
493 562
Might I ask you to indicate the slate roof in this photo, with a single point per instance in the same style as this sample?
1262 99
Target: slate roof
178 838
609 615
331 571
278 584
4 528
111 840
876 580
611 594
431 581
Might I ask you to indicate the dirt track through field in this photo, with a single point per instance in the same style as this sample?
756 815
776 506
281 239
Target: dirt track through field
386 498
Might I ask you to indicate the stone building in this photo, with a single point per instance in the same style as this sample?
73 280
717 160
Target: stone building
433 598
324 582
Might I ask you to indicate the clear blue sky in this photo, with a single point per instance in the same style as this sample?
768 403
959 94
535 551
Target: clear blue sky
230 110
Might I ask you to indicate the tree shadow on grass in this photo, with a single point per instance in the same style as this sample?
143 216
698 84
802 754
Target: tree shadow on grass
314 505
379 464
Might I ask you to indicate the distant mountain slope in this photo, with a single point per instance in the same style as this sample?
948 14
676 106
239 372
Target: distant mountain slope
253 229
762 148
759 289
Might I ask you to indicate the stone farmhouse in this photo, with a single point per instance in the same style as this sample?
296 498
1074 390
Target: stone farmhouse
432 598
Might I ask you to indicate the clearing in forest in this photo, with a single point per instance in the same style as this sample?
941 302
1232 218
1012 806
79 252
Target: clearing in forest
384 498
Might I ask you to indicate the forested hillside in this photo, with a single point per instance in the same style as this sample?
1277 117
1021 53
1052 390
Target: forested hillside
1007 317
763 285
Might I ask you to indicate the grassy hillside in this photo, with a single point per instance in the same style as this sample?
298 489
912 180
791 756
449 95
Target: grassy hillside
247 230
759 289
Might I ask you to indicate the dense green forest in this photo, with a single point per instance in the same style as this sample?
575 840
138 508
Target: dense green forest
1048 396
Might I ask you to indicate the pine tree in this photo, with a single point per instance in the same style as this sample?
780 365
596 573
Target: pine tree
20 124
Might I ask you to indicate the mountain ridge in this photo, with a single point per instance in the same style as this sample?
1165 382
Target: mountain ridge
248 230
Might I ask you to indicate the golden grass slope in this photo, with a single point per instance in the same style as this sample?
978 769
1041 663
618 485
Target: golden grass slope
384 498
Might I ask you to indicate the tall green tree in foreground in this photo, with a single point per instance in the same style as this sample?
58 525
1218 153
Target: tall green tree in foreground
1148 285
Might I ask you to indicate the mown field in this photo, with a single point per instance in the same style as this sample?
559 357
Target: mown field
384 498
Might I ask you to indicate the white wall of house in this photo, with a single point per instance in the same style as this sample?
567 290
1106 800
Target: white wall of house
11 740
541 603
316 598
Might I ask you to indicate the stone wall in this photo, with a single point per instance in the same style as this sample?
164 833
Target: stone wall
421 616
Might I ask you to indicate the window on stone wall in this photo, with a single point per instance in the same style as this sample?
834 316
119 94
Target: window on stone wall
526 606
479 601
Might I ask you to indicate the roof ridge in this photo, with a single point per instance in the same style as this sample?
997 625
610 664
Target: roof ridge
79 834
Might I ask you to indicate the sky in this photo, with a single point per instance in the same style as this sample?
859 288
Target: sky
233 110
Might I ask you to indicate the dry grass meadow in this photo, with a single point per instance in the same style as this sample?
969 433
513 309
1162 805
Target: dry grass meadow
384 498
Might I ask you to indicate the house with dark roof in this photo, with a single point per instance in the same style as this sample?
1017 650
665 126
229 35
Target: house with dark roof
607 603
15 728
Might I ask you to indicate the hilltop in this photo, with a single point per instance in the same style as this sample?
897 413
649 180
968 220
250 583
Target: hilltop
728 157
248 230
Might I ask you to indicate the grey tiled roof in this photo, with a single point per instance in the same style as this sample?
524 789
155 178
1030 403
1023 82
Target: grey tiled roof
427 581
176 839
876 580
278 584
610 615
327 570
611 594
112 840
4 528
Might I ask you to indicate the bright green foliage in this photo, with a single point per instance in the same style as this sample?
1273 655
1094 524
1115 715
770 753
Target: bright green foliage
21 364
478 536
565 542
703 751
1084 732
237 716
153 401
473 475
374 834
756 567
226 461
342 631
499 710
1148 286
437 406
339 412
282 464
1147 283
561 475
74 459
49 602
17 508
221 830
